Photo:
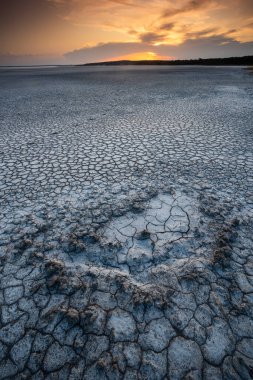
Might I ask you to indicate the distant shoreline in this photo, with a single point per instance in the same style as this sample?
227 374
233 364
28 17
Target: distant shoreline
231 61
31 66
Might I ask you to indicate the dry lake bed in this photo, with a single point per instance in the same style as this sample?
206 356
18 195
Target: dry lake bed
126 223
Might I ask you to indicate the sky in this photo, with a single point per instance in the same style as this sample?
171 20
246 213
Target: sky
81 31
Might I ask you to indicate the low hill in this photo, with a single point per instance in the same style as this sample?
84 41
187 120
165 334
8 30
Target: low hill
240 61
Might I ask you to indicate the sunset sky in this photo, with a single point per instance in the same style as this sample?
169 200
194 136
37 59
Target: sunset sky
79 31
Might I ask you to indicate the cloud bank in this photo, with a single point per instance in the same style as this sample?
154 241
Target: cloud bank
211 47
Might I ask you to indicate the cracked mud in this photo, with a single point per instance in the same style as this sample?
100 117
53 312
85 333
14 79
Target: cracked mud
126 241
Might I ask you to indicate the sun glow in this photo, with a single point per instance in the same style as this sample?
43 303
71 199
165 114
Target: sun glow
141 56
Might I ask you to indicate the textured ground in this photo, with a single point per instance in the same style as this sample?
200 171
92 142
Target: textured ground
126 230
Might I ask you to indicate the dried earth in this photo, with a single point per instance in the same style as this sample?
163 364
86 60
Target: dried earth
126 230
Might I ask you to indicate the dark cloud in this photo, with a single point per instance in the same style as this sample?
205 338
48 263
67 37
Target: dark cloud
215 46
208 33
156 35
167 26
151 37
106 51
205 47
201 33
189 6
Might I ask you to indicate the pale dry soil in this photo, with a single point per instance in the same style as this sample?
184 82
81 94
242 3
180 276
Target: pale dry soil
126 230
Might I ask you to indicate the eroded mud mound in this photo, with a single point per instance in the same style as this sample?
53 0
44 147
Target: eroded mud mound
159 289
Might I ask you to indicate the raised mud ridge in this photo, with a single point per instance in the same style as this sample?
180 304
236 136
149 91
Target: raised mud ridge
161 288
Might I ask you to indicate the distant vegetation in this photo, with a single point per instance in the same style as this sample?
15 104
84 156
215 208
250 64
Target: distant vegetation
242 61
